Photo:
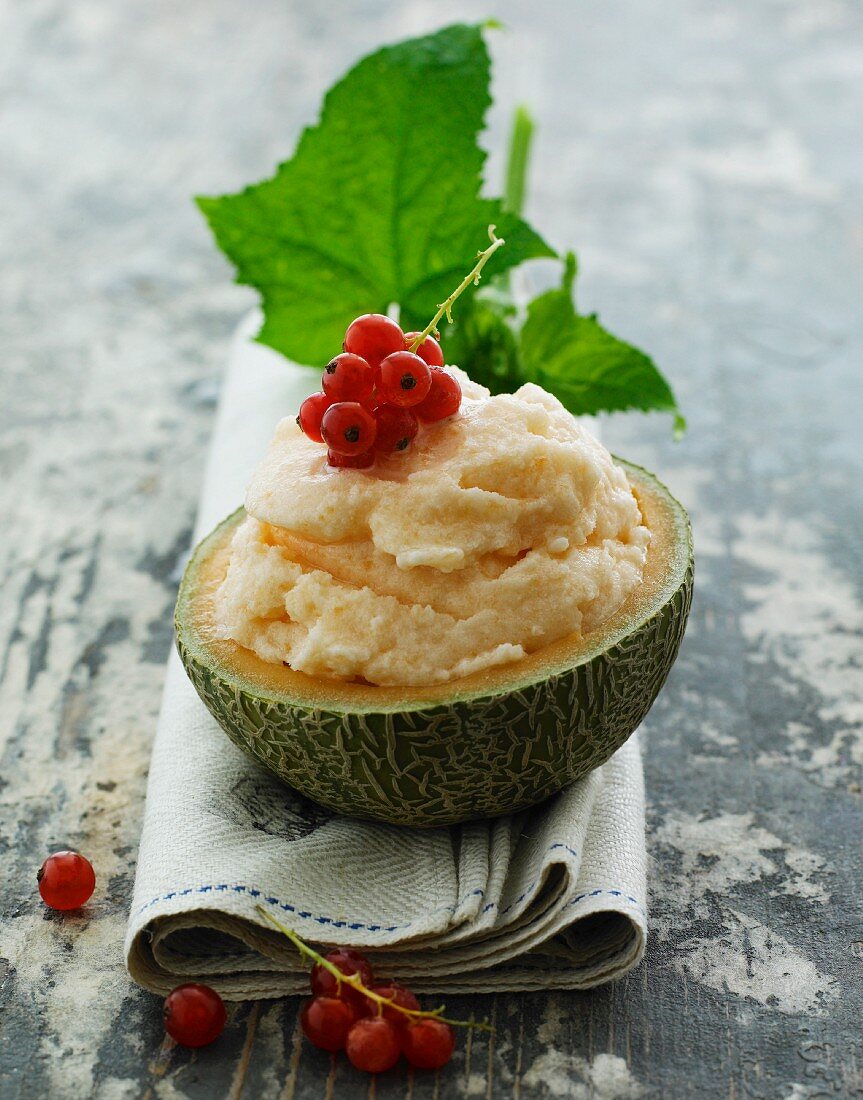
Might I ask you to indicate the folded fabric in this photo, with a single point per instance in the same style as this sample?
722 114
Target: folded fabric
553 897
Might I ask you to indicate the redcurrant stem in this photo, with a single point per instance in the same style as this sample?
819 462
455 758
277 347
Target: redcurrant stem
355 981
472 277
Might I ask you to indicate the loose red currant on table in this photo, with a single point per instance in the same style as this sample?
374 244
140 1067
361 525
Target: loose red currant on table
443 398
396 428
373 1044
399 995
194 1015
374 336
326 1021
348 377
428 1043
429 349
348 428
310 415
349 962
403 379
66 880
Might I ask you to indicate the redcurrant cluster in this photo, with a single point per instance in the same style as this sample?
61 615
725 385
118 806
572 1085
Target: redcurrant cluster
373 1022
376 393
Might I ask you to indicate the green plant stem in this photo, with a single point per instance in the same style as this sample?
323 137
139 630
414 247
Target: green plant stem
472 277
520 139
355 981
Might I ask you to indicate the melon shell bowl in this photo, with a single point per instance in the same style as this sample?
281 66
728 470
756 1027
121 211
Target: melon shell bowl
487 744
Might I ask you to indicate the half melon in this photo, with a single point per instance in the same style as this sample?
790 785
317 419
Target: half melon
487 744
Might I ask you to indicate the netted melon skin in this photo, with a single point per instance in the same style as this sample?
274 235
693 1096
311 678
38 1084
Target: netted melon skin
464 759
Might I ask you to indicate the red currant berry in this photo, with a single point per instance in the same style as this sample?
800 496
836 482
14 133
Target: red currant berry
428 1043
194 1015
429 349
396 429
373 1045
326 1021
351 462
443 398
310 415
348 962
348 428
348 378
66 880
373 336
403 379
399 995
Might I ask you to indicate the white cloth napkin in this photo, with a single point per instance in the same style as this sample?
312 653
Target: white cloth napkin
553 897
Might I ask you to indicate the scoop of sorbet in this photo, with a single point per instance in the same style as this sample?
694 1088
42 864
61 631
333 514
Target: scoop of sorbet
506 528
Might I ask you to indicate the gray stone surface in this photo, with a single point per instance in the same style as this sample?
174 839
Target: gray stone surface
705 159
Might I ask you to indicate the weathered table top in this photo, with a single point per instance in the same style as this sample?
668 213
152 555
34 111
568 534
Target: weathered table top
705 159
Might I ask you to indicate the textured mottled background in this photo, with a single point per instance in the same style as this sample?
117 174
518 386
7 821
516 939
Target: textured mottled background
705 158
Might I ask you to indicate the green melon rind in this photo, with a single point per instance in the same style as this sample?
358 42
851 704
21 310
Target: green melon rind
474 756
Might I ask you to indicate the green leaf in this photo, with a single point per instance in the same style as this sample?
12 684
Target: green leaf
583 365
380 202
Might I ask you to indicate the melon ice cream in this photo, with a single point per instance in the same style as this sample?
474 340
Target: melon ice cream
502 530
